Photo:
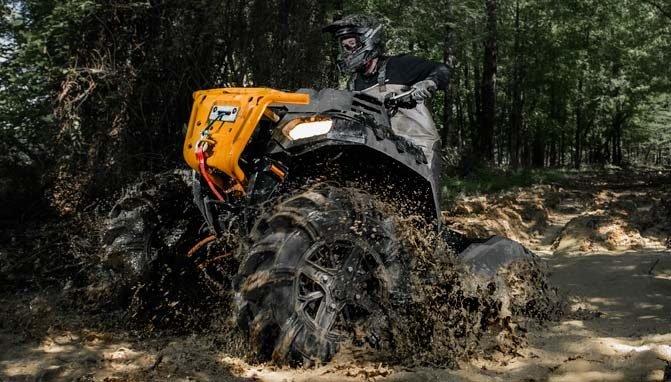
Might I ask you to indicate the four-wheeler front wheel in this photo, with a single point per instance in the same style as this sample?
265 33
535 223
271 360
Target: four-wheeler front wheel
319 268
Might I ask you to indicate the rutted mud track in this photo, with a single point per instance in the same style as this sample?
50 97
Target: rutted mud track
604 238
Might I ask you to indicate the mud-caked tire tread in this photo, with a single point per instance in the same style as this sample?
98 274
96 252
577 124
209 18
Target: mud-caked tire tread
279 241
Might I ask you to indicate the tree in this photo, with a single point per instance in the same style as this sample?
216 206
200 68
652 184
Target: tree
93 92
487 115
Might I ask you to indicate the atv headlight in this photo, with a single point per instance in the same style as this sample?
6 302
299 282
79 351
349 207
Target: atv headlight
308 129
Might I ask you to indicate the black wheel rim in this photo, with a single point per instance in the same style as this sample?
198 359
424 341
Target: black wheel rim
338 286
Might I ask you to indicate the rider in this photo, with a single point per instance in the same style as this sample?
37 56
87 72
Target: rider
361 43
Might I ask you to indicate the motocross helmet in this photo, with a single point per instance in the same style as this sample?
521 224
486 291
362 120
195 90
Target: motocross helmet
360 39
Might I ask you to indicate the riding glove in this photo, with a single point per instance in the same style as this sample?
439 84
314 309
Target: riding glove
423 90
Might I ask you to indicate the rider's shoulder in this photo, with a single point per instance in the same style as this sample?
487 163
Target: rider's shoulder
404 59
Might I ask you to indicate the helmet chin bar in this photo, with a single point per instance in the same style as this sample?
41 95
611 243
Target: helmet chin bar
353 61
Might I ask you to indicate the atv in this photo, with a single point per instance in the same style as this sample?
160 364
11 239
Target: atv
307 172
307 191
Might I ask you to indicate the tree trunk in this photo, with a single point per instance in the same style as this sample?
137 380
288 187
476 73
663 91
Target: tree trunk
538 150
618 121
448 58
579 126
517 100
473 104
458 136
488 86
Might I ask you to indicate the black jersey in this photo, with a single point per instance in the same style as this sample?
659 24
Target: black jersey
404 70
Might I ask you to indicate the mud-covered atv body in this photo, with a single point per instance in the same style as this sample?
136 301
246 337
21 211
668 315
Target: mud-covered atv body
312 179
308 191
331 135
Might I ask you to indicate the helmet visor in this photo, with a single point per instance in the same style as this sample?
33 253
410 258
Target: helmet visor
349 44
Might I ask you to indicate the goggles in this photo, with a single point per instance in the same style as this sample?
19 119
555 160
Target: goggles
349 43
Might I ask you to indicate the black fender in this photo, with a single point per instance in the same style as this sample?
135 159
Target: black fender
371 151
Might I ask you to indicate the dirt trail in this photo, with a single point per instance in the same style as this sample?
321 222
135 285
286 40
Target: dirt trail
619 325
604 239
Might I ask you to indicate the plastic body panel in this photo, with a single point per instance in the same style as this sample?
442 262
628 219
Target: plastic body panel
226 139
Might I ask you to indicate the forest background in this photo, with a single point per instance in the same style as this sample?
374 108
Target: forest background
94 93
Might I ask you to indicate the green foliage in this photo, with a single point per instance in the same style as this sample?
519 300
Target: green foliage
649 137
98 91
487 180
599 59
94 91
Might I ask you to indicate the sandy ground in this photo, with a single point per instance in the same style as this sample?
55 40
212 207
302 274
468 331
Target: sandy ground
618 295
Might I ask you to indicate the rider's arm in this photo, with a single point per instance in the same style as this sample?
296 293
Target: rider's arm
439 76
408 70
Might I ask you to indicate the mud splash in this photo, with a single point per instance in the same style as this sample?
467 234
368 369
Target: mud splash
444 314
452 314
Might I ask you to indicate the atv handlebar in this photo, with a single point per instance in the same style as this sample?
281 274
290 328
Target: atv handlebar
403 100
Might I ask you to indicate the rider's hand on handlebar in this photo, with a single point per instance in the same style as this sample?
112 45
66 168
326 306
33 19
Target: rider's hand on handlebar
423 90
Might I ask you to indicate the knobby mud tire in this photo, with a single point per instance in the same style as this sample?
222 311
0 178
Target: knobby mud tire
129 238
320 264
151 219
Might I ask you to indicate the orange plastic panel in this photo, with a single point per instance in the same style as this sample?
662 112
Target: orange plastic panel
227 139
